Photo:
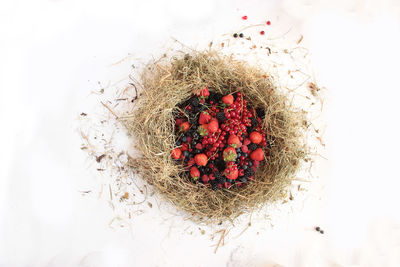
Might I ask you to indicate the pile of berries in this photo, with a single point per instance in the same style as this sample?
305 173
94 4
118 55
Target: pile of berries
219 139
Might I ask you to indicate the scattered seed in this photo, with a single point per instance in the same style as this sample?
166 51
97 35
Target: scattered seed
300 39
241 35
317 228
99 158
235 35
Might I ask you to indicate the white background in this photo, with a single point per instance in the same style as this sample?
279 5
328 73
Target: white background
52 53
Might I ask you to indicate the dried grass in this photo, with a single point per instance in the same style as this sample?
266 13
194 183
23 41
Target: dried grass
167 82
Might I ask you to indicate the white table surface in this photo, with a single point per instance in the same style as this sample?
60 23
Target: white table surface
53 53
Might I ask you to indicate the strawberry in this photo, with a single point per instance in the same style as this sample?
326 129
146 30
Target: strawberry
228 100
213 126
256 137
232 172
229 154
204 93
201 159
204 117
194 173
202 130
257 154
176 153
205 178
234 141
184 126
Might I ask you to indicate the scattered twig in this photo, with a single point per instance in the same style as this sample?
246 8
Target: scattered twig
109 110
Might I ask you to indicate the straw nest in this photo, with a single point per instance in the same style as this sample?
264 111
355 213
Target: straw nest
168 82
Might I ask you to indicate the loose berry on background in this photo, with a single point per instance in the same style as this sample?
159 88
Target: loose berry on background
268 22
244 17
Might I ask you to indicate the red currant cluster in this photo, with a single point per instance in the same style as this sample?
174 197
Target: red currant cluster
220 139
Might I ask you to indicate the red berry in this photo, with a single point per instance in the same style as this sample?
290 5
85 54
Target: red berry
246 142
184 126
213 126
204 117
244 17
263 143
203 129
211 176
228 100
229 154
268 22
178 122
176 153
199 146
262 32
245 149
231 173
194 173
256 137
204 93
190 163
184 147
257 154
205 178
234 141
201 159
